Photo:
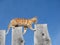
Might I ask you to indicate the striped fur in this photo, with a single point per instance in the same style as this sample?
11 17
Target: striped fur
27 23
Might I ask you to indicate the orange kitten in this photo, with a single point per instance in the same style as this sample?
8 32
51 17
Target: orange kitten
27 23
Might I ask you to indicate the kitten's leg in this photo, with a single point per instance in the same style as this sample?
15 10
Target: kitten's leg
30 26
25 29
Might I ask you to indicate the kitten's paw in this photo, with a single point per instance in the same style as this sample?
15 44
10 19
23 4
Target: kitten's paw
34 29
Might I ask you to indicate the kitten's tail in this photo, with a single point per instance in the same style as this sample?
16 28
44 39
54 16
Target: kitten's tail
8 28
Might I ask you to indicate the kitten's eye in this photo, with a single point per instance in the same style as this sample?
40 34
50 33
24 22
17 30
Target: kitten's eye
42 34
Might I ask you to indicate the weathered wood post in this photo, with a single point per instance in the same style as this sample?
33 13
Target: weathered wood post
2 37
17 36
41 35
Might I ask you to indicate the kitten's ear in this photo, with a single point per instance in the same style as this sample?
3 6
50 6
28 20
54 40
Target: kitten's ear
35 17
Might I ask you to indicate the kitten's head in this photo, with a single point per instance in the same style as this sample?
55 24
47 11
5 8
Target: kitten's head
34 19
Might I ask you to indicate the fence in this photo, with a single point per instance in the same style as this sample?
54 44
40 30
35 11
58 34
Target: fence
2 37
17 37
41 36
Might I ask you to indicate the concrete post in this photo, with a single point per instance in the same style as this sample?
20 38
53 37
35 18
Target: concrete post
2 37
17 36
41 35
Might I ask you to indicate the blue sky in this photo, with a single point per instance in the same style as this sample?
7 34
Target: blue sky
47 11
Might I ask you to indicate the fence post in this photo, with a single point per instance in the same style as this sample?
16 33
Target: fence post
17 36
2 37
41 35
